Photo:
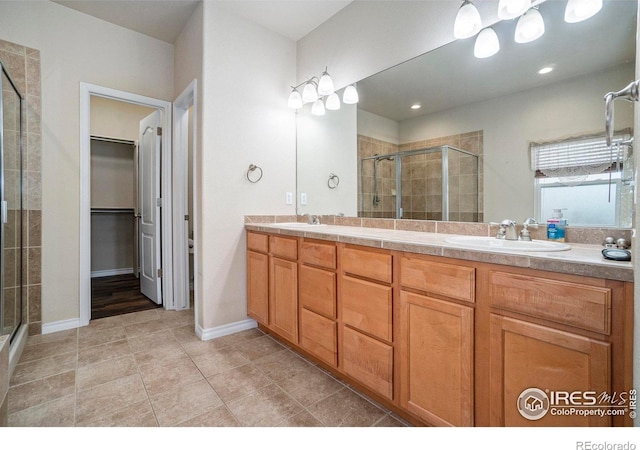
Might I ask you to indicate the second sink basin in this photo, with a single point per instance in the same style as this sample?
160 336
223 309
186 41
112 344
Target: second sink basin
299 225
491 243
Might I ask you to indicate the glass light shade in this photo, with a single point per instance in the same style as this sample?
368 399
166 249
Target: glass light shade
309 93
295 100
325 85
468 21
350 95
579 10
318 108
530 27
487 44
333 102
510 9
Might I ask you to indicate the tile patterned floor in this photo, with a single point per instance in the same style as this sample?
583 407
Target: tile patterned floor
149 369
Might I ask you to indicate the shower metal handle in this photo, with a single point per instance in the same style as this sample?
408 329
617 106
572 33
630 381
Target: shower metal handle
630 93
5 211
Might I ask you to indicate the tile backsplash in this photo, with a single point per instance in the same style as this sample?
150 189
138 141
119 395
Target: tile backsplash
578 235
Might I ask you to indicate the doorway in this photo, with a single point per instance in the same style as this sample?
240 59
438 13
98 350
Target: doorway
164 195
115 217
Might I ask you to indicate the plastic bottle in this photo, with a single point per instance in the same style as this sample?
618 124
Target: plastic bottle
556 226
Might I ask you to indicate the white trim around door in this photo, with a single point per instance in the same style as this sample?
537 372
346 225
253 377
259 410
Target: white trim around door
86 92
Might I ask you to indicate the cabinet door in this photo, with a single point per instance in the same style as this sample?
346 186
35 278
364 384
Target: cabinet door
318 335
524 356
368 360
436 360
283 298
317 290
258 286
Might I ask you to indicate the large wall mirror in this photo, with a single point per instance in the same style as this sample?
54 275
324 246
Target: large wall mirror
464 153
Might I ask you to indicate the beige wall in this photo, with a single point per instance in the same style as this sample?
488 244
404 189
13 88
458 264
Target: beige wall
116 119
76 48
247 72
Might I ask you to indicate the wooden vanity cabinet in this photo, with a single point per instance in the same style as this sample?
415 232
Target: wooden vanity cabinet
444 341
318 296
258 277
556 333
437 340
283 287
366 318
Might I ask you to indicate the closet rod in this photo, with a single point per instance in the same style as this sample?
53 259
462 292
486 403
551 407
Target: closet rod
112 210
112 140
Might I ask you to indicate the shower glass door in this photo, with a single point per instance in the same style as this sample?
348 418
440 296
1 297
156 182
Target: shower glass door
10 206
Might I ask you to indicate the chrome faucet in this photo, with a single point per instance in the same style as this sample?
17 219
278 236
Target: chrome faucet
525 234
507 230
312 219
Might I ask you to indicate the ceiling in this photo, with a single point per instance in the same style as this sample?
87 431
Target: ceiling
165 19
451 76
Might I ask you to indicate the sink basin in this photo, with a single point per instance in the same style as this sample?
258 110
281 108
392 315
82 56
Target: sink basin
491 243
299 225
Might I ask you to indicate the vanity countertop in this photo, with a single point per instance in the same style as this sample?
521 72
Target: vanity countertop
581 259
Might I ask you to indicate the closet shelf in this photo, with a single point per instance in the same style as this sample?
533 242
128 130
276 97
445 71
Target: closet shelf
112 210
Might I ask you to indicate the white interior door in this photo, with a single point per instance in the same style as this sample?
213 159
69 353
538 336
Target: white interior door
149 205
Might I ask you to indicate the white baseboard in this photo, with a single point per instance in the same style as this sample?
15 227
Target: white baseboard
61 325
224 330
111 272
205 335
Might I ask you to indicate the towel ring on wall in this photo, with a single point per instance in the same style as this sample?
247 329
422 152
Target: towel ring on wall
333 181
253 168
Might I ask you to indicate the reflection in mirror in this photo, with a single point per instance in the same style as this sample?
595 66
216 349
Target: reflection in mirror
494 108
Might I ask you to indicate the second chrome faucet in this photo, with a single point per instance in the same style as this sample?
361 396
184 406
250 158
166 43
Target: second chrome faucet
508 230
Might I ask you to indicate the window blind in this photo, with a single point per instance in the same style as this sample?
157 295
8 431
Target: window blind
580 156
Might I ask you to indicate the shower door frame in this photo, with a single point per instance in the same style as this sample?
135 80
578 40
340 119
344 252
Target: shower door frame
397 156
4 210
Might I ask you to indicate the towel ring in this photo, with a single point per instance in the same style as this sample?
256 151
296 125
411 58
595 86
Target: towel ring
333 181
253 168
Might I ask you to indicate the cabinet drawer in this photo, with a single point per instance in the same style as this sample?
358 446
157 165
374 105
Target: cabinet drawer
374 265
318 335
283 247
368 307
317 291
449 280
316 254
579 305
369 361
257 242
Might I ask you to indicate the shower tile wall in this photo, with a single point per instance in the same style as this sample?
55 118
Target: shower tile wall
422 179
386 208
23 65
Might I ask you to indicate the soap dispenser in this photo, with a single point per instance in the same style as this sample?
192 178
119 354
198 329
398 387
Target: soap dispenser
556 226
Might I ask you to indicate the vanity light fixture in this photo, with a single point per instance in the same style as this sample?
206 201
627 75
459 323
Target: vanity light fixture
333 102
295 99
487 44
320 92
468 21
579 10
318 108
350 95
325 85
530 26
510 9
309 93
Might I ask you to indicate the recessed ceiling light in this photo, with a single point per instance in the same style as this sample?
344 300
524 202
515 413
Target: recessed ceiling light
545 70
416 106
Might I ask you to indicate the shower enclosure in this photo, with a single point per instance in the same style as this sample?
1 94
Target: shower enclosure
436 183
11 208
